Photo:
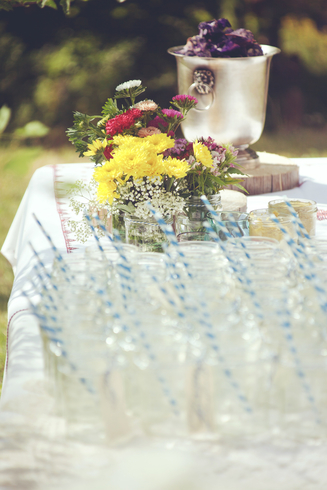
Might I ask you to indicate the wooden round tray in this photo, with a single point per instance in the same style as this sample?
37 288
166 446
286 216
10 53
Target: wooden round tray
275 173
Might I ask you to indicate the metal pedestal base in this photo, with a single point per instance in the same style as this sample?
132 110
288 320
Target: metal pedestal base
248 159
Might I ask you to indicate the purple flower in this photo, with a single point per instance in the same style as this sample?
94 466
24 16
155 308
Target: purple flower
184 98
182 148
211 144
156 121
172 113
213 31
218 40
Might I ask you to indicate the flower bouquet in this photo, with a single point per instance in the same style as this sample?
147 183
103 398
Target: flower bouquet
138 158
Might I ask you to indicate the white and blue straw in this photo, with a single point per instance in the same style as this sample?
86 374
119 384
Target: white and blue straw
202 315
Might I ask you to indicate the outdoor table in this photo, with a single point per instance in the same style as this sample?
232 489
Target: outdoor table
23 391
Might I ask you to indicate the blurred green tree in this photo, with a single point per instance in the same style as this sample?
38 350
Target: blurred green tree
52 62
11 4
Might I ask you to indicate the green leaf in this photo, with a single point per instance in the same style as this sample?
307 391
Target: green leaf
33 129
110 108
5 113
81 147
83 129
126 94
49 3
126 208
233 170
65 5
4 5
241 187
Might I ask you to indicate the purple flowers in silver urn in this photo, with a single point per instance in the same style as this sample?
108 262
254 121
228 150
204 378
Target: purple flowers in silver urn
217 39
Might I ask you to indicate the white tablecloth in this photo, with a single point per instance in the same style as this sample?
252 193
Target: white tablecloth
23 395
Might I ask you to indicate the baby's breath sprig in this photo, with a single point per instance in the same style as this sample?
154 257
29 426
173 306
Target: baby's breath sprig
82 199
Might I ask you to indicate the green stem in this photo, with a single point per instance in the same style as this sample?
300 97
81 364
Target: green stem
131 96
171 181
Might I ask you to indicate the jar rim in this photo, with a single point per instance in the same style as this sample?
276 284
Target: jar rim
296 200
264 215
150 220
216 196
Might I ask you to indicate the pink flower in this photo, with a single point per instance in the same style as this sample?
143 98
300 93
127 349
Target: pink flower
108 152
146 105
185 98
123 121
159 120
172 113
143 132
156 121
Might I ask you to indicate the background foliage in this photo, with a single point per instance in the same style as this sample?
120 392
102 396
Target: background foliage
52 63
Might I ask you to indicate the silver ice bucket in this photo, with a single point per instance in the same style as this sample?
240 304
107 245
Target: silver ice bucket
232 95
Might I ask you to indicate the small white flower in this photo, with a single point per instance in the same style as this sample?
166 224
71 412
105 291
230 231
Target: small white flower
128 85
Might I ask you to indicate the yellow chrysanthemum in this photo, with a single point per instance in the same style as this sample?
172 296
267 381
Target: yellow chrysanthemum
138 161
109 171
108 176
137 158
107 192
173 167
125 140
202 154
160 142
97 146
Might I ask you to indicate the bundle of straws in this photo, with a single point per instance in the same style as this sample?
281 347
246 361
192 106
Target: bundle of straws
208 340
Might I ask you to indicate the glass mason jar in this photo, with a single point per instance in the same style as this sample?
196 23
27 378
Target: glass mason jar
260 224
305 209
195 213
236 223
145 233
110 221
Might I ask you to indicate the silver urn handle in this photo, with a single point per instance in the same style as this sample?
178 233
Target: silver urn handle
203 88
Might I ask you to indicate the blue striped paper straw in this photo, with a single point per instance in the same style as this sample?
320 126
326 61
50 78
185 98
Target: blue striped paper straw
215 216
234 224
297 220
50 332
89 220
239 269
127 280
301 232
286 326
45 291
123 269
222 226
42 318
59 257
117 248
203 315
43 267
305 265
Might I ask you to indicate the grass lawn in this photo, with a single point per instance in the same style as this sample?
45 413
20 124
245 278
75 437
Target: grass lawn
17 165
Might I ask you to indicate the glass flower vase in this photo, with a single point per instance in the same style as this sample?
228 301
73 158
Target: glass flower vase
118 223
145 233
110 221
194 214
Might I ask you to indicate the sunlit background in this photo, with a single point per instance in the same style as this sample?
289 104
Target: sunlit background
53 63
